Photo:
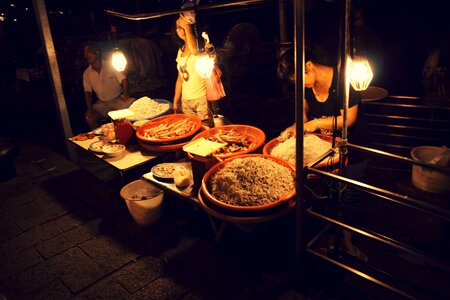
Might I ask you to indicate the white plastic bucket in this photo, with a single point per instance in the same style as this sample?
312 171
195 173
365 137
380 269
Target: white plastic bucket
426 179
218 120
144 201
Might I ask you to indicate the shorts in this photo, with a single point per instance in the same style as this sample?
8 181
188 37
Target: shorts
197 107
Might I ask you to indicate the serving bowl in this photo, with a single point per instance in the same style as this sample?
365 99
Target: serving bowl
149 117
269 177
113 150
268 147
241 139
169 129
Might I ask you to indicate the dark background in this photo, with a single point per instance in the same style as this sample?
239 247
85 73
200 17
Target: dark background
398 36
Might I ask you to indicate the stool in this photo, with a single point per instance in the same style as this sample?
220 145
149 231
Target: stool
9 149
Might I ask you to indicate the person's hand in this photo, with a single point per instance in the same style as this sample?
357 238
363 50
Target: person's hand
311 126
287 133
183 23
175 107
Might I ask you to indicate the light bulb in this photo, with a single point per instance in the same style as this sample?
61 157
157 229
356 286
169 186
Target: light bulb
204 66
119 61
360 73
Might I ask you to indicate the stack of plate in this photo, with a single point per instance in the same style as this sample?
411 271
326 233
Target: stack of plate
168 133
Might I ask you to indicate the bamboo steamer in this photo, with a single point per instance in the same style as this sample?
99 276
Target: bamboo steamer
424 178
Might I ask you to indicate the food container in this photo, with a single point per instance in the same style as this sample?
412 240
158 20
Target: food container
267 180
427 179
113 150
144 201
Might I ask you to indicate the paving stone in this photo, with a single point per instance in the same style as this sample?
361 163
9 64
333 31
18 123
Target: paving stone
35 277
18 263
10 203
44 209
78 217
69 238
162 288
140 273
110 255
104 289
28 239
53 290
8 229
91 191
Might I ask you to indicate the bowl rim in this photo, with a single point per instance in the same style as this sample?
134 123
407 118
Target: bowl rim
243 126
156 121
221 164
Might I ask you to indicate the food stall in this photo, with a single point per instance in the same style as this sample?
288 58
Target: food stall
288 202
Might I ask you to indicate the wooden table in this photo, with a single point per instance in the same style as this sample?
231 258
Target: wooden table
131 158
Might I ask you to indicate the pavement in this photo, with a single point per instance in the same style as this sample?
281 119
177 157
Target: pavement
65 233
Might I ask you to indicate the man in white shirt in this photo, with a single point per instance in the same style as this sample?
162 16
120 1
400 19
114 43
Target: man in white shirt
109 85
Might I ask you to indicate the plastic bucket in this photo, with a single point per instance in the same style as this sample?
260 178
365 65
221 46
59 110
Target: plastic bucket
426 179
144 201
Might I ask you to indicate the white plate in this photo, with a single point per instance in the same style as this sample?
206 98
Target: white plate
97 146
165 170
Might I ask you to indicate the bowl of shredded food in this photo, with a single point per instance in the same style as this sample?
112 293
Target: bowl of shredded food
239 139
169 129
146 108
249 182
314 146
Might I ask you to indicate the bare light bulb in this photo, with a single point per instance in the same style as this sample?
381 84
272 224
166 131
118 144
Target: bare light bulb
119 61
360 73
204 66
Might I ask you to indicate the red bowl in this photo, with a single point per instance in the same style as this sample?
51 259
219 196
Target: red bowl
166 147
167 121
255 135
268 147
206 185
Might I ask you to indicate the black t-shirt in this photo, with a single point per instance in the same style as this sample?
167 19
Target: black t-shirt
358 134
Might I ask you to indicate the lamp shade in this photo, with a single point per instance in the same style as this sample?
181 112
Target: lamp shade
204 66
360 73
119 61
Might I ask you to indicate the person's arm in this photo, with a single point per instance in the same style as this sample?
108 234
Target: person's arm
89 104
125 95
316 124
177 94
191 39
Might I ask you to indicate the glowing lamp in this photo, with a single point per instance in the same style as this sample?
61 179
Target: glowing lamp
360 73
119 61
204 66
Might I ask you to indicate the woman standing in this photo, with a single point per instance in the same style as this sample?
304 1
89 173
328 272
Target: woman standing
190 89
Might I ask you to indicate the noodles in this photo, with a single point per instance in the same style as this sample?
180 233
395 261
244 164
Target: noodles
251 181
313 147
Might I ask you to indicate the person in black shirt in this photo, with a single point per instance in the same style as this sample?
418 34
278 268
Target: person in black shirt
322 109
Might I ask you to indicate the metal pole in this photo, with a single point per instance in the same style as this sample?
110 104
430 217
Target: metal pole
299 45
58 92
282 20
